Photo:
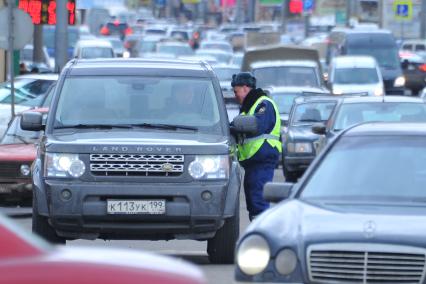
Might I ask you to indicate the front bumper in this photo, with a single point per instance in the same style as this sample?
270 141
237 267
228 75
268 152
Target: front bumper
20 189
85 216
292 163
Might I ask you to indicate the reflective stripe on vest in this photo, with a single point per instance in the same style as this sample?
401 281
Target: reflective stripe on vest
251 145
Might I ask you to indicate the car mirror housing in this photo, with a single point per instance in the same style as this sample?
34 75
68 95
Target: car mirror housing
276 192
245 124
32 121
319 128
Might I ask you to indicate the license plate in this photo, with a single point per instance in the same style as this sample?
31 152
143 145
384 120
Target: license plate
154 207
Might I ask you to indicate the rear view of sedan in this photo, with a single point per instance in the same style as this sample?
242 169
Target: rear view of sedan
26 259
356 216
355 75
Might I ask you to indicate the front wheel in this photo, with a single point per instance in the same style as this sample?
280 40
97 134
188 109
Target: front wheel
221 247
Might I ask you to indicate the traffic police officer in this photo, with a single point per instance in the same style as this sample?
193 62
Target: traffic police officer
258 153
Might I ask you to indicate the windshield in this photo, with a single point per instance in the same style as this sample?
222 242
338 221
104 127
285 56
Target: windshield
146 46
284 101
15 134
286 76
96 52
312 112
353 113
346 76
225 73
176 50
387 57
130 100
371 168
26 54
26 91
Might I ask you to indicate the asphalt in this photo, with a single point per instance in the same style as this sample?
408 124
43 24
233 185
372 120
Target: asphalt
17 212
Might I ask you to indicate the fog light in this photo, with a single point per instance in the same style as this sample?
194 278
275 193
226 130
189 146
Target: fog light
66 194
25 170
206 195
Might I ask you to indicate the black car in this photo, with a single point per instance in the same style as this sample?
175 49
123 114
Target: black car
356 216
414 68
299 142
137 159
353 110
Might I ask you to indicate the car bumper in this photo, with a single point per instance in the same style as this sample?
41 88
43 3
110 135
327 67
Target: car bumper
85 215
297 163
15 190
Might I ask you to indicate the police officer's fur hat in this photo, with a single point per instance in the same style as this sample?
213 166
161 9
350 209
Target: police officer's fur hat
243 79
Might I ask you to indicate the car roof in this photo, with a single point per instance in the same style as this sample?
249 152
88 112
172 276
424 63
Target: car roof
295 89
319 98
94 43
278 63
43 76
387 128
414 41
139 66
381 99
354 61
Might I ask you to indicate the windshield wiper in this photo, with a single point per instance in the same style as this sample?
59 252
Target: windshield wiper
164 126
99 126
309 120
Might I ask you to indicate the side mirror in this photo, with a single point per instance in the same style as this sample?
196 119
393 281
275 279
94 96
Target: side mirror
245 124
319 128
32 121
276 192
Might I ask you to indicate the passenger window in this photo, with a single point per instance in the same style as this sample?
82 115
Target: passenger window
407 47
420 47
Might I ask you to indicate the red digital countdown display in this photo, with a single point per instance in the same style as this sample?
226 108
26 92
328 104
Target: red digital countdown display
296 6
44 11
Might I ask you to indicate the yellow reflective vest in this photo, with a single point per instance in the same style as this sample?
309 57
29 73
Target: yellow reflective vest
250 146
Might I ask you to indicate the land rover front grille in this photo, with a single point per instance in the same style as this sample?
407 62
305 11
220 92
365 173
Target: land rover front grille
136 165
366 264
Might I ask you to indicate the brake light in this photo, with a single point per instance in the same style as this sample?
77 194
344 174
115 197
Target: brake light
104 31
116 23
422 67
128 31
127 45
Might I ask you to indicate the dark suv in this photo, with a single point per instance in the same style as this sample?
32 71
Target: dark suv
127 153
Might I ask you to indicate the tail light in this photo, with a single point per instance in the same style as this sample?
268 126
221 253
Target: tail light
422 67
128 31
127 45
104 31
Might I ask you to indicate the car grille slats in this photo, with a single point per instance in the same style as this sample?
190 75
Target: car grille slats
136 165
365 266
9 169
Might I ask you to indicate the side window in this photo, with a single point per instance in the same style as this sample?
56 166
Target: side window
407 47
420 47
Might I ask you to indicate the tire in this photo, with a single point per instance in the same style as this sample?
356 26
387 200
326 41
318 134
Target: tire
221 248
41 227
290 176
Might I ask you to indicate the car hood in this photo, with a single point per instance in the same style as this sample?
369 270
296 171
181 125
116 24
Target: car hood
126 258
302 133
137 141
17 152
303 223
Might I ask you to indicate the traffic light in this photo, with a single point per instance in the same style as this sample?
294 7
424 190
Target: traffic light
295 7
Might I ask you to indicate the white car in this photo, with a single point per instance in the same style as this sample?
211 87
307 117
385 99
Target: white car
29 92
93 48
355 75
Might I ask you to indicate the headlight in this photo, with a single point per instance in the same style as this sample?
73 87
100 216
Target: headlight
399 82
253 255
378 92
299 147
209 167
25 170
337 92
126 54
286 261
63 165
